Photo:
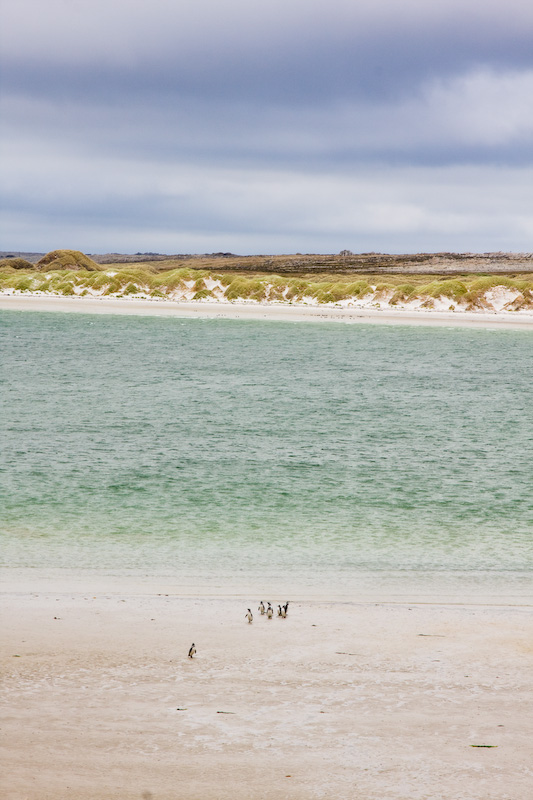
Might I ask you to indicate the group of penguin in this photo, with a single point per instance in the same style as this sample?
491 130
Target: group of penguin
268 611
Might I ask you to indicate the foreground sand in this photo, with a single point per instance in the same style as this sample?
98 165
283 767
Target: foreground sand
340 700
265 311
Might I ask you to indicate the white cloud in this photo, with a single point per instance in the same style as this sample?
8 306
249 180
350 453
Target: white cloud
483 107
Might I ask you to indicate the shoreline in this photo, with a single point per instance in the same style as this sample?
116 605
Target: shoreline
367 588
265 312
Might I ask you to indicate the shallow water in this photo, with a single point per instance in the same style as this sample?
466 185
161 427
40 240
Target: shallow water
325 458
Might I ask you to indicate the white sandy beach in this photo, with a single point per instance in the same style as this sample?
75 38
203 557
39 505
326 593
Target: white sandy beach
266 311
357 700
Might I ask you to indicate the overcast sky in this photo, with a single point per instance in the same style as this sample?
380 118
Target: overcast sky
197 126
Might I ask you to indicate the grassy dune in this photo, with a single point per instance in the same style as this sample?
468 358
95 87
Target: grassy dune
72 273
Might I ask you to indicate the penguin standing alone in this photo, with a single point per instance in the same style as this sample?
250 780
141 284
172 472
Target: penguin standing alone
192 650
249 616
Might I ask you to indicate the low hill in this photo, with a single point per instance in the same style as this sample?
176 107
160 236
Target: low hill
298 264
15 263
66 259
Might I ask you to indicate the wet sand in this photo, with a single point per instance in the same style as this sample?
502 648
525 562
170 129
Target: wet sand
266 311
370 701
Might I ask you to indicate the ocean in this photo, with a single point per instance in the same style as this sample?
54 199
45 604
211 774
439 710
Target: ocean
222 456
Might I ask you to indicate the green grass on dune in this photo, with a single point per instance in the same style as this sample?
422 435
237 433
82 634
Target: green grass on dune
452 289
203 294
130 280
402 293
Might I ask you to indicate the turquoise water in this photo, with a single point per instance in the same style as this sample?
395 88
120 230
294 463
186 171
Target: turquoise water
343 458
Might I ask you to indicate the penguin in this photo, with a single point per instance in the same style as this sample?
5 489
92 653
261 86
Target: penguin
279 612
270 611
283 611
249 616
261 607
192 650
286 607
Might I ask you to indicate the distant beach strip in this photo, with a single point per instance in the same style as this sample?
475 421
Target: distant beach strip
333 290
263 311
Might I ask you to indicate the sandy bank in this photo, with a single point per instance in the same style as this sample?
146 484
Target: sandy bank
265 311
340 700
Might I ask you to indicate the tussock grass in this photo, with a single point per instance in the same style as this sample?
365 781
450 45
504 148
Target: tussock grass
276 288
65 288
524 285
58 276
358 288
258 290
23 284
203 294
488 282
67 259
174 279
20 281
239 288
111 288
453 289
93 280
5 278
330 292
52 281
296 289
15 263
475 300
402 293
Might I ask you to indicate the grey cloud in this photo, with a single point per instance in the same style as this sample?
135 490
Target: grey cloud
121 31
478 117
380 66
253 127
